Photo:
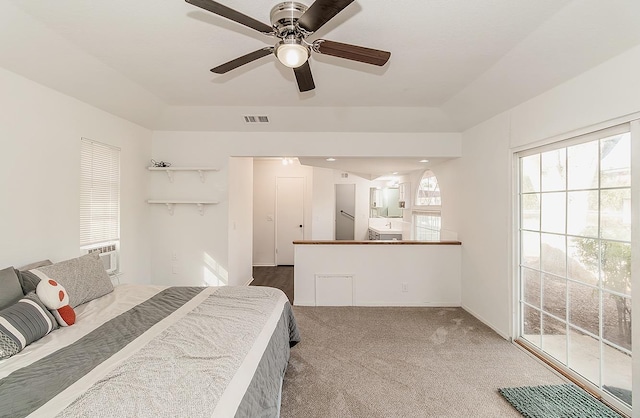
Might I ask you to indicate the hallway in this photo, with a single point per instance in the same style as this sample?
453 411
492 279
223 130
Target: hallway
280 277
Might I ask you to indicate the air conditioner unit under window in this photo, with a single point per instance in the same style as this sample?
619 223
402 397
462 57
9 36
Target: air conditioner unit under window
108 255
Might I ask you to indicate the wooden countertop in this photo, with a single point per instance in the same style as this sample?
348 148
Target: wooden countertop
375 242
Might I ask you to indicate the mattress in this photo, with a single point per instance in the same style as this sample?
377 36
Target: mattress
150 351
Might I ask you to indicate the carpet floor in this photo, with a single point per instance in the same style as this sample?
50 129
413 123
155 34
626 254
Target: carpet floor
402 362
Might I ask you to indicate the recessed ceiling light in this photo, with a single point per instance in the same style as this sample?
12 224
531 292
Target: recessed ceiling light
331 159
394 173
424 161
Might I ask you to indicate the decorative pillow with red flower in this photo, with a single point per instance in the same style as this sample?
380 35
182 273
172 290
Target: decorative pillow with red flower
54 296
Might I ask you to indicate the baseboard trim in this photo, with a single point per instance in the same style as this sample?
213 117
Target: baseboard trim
389 304
264 265
374 304
304 303
487 323
249 282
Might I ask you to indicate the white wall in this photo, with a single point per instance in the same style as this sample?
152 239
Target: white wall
196 238
187 248
484 219
323 216
430 275
484 225
40 131
240 220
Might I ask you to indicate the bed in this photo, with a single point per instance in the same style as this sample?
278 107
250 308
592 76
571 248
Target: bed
156 351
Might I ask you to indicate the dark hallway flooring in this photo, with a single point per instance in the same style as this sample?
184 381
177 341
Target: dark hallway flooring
280 277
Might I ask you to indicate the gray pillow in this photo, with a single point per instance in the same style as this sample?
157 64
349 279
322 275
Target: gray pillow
35 265
28 281
10 289
22 323
84 278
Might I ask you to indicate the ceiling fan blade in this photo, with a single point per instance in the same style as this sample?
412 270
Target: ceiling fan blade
240 61
320 12
304 77
352 52
224 11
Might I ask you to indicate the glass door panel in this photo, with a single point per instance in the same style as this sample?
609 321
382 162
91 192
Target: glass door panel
575 259
616 373
584 354
531 324
584 307
554 338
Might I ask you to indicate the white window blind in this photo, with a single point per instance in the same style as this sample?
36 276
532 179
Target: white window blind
99 193
426 226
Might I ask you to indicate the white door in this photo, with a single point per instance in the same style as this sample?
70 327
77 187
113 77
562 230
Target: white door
289 217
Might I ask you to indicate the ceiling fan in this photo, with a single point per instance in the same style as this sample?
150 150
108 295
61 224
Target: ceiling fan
292 23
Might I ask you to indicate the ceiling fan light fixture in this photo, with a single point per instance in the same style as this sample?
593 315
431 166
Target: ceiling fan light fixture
291 23
291 53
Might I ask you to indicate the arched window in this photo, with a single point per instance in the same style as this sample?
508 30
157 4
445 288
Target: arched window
426 212
428 191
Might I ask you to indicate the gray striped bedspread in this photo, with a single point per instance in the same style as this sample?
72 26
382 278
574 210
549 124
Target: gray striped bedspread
179 352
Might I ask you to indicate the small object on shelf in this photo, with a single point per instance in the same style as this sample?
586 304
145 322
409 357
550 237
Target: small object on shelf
155 163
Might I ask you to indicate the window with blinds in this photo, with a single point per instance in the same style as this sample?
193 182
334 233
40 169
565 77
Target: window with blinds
99 193
426 210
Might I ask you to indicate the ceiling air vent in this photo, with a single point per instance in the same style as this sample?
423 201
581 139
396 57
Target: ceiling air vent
256 119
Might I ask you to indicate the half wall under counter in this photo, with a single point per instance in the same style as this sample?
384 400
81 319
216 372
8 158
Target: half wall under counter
377 273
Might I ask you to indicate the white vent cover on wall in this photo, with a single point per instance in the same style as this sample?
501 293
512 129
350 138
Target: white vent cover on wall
256 119
335 290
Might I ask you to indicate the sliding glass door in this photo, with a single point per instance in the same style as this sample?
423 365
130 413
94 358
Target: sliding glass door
575 256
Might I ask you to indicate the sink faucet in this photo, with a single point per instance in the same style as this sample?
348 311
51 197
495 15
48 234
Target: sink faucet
388 224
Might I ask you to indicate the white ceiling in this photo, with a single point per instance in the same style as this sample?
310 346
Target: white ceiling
453 63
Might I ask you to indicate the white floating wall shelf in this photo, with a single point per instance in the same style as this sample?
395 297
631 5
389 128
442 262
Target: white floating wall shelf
171 203
170 170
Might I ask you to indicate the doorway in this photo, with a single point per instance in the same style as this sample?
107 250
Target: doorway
289 217
345 211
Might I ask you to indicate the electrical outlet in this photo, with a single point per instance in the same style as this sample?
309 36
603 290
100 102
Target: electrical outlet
174 256
405 287
174 268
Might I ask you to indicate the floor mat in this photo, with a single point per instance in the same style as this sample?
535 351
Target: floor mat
551 401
